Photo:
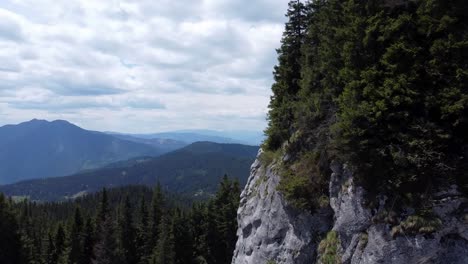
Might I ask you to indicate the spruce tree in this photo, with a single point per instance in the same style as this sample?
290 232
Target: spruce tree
10 243
199 219
223 212
105 248
88 243
76 238
128 233
184 245
143 236
287 76
157 206
50 257
60 242
164 251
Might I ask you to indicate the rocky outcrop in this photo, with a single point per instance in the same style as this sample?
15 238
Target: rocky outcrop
270 231
364 240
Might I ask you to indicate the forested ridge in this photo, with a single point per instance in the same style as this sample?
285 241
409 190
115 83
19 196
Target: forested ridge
193 170
128 225
379 85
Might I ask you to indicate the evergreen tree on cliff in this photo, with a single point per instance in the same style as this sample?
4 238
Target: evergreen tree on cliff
383 88
287 76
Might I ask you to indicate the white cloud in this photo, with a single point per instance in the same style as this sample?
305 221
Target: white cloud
139 66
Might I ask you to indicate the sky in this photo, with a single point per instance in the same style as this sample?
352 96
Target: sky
139 66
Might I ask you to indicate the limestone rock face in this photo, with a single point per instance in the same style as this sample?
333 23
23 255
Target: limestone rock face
365 242
269 229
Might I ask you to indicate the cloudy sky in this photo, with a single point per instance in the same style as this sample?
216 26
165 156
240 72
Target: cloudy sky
139 66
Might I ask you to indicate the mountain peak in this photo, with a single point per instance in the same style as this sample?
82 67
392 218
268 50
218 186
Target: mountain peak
43 121
55 148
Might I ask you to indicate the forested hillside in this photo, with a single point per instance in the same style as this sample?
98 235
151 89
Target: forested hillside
380 85
194 171
129 225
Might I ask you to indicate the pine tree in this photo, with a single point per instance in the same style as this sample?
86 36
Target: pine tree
128 233
10 243
164 251
223 212
184 245
287 76
157 206
104 211
199 220
76 238
60 254
50 253
88 243
105 248
30 249
143 236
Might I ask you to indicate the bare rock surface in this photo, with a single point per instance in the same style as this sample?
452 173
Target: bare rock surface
365 242
271 231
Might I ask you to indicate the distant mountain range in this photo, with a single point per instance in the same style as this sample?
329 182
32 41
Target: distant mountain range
253 138
162 144
38 149
193 170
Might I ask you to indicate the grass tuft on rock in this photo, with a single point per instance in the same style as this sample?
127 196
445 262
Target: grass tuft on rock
329 249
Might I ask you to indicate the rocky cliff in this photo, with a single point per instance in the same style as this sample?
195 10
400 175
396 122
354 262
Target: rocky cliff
271 231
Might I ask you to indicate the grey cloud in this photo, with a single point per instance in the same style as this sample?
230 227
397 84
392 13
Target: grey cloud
252 11
57 106
179 10
10 29
70 85
141 59
7 64
145 104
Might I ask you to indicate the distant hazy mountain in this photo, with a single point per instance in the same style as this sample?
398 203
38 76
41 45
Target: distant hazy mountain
163 144
193 170
242 136
39 148
253 138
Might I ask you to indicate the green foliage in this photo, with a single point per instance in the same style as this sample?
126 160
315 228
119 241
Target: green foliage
304 185
329 249
287 75
267 157
381 86
10 243
76 238
128 233
423 223
394 111
157 205
164 251
115 226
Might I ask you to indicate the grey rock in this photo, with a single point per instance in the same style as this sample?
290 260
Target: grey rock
271 230
347 201
352 219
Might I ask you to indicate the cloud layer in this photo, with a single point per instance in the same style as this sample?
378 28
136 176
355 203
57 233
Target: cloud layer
139 66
